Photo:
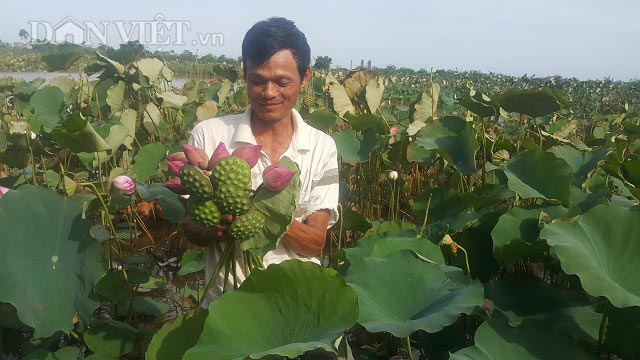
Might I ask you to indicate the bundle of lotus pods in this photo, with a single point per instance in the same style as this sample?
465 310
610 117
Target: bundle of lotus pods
221 185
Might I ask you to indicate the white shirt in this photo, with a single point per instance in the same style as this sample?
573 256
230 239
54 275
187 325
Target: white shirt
314 152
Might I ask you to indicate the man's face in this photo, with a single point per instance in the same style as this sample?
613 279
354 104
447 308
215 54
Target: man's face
273 86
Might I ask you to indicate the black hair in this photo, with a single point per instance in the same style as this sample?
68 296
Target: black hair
270 36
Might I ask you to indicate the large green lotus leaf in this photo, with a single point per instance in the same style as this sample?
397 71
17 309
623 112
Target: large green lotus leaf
539 174
278 207
380 247
285 309
580 322
170 202
631 171
401 294
353 220
449 207
114 65
599 247
479 104
150 67
66 83
219 91
322 120
151 118
64 353
147 161
427 105
373 93
582 163
340 99
115 96
477 241
355 83
47 103
78 135
389 228
453 137
418 154
532 340
354 148
532 102
113 286
176 337
144 306
110 337
515 236
172 100
363 122
523 295
623 331
48 270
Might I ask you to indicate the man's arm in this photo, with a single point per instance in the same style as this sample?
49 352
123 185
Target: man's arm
308 238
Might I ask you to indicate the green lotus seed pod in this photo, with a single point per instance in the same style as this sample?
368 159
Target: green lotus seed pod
247 225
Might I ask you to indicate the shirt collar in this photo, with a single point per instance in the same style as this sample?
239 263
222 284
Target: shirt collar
301 133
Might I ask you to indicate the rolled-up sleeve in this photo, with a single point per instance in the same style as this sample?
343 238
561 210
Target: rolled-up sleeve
325 186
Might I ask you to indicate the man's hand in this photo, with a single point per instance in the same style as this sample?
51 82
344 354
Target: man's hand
308 238
204 236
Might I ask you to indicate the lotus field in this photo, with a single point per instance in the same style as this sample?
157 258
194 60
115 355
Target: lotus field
481 217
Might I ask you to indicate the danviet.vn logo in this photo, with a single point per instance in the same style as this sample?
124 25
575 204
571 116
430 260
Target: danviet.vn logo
158 32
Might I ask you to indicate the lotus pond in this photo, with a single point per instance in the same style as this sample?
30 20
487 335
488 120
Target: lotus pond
482 217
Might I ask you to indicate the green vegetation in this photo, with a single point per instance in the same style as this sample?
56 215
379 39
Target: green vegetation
482 216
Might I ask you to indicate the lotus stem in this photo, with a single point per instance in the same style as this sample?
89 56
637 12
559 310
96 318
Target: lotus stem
603 323
341 227
216 272
426 216
466 261
409 348
232 264
105 208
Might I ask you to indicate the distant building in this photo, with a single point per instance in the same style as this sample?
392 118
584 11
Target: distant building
19 44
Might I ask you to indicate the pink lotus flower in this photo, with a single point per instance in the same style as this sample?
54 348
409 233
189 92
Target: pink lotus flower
177 156
3 190
393 131
250 153
276 177
219 153
197 157
124 184
176 186
175 166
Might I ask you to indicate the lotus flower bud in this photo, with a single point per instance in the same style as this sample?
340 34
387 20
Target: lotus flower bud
177 156
3 190
176 186
393 131
175 166
250 153
220 152
197 157
276 177
124 184
393 175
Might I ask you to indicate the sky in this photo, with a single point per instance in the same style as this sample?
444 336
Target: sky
571 38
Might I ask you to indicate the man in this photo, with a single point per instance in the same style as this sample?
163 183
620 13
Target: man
276 57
